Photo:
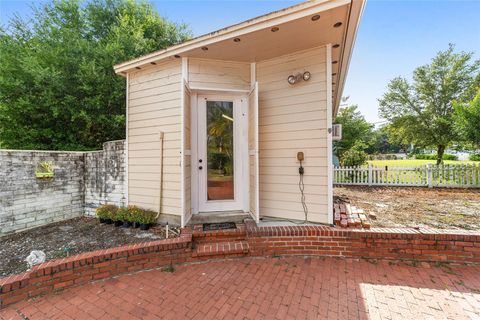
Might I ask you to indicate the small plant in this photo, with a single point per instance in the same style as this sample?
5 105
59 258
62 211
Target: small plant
170 268
122 214
106 213
44 170
146 218
134 215
119 216
141 217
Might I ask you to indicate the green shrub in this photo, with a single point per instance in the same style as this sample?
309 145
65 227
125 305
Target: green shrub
425 157
135 213
474 157
106 211
446 156
123 214
147 217
355 156
140 215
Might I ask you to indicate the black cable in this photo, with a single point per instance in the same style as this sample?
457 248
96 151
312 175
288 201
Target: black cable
301 186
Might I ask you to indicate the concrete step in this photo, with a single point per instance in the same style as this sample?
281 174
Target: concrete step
227 235
213 217
223 249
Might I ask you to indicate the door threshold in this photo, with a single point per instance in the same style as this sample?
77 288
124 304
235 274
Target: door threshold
219 216
226 212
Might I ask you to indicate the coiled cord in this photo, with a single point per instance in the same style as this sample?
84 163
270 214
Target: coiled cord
301 186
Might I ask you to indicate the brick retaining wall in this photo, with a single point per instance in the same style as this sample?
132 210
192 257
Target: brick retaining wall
381 243
398 244
76 270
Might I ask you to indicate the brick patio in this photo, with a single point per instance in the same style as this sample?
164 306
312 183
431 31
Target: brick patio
270 288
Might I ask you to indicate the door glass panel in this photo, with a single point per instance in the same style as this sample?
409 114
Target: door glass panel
220 150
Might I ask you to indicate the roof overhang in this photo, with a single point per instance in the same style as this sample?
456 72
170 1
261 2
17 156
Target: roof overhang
297 30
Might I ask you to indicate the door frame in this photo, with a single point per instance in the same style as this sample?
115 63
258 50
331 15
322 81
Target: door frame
241 176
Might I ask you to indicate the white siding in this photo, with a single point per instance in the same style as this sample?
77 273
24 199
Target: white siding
253 152
218 74
154 107
187 179
292 119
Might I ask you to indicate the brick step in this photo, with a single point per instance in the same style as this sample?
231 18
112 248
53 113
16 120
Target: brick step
225 249
229 235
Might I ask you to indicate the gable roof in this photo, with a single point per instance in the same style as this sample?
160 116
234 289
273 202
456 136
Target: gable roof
297 30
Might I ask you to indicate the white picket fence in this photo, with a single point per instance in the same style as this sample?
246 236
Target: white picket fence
457 175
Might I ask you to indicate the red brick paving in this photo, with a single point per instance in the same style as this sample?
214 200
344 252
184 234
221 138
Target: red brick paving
270 288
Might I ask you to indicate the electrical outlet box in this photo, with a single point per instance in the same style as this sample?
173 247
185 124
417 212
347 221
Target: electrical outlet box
300 156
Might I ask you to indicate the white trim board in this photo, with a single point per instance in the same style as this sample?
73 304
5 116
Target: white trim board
328 49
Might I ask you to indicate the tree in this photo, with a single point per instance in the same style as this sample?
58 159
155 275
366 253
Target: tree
382 141
422 112
355 130
468 120
58 89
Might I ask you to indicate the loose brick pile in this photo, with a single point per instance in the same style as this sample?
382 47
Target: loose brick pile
348 216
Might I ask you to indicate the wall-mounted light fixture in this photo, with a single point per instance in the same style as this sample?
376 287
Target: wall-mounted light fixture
292 79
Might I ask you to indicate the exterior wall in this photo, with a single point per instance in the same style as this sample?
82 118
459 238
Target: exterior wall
82 181
218 74
293 119
105 176
154 98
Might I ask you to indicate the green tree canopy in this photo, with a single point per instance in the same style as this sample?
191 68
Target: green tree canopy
355 130
58 89
382 141
468 120
422 112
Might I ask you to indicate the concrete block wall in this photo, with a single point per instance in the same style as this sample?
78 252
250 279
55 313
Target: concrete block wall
105 176
82 181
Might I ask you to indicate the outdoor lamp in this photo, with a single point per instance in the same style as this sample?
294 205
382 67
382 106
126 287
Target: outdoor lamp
292 79
306 76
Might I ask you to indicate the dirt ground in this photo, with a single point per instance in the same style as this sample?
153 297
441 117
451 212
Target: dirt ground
416 207
68 238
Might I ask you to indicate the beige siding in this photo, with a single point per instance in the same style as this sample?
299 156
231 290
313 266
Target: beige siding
154 107
217 74
292 119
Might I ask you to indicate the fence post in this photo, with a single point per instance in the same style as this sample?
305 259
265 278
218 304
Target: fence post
429 175
369 175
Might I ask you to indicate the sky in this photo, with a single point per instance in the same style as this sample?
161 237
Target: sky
394 37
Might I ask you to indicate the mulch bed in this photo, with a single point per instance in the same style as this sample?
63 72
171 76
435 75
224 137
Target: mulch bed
439 208
70 237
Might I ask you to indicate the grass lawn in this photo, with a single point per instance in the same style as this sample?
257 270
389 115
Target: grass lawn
414 162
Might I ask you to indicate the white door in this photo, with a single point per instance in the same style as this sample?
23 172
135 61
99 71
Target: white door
222 150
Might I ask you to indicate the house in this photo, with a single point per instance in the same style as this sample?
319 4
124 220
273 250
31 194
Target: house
218 123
